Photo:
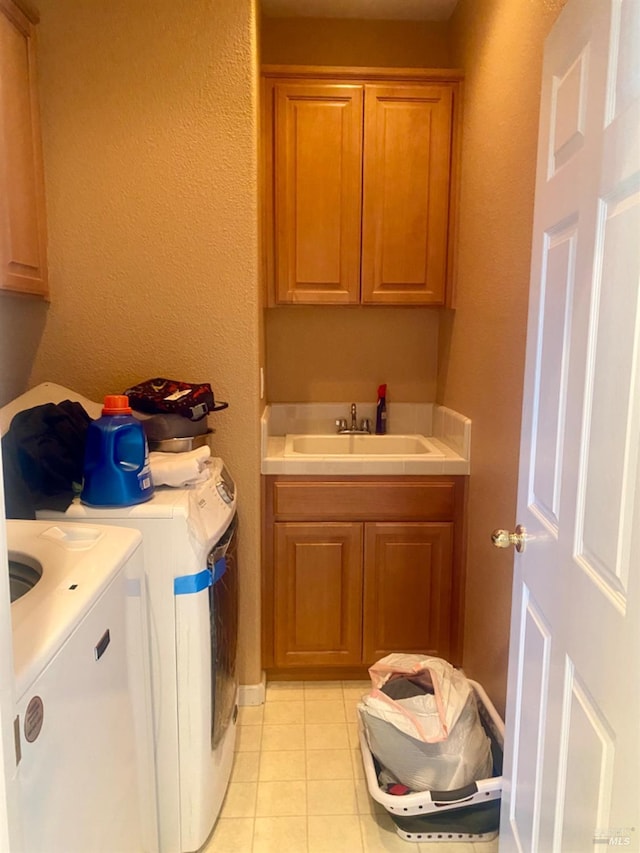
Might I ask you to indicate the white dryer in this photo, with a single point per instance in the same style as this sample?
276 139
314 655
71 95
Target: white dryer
84 735
190 555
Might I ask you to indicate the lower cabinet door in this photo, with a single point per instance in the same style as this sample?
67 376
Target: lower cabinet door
407 589
318 594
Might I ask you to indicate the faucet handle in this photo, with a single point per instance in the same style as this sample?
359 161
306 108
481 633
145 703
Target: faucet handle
341 423
365 425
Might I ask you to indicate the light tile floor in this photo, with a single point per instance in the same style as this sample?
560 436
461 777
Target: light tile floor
298 786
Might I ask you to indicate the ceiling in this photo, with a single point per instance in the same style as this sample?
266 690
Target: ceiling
386 10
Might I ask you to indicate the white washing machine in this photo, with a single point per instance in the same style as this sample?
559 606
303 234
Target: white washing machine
84 738
190 547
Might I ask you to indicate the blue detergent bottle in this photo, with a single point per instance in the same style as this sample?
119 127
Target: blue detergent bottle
116 459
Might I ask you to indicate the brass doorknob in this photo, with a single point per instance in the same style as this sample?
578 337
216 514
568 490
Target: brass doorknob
504 538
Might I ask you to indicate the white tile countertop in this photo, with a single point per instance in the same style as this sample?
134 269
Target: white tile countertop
448 436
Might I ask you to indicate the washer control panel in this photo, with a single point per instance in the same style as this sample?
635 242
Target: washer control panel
225 486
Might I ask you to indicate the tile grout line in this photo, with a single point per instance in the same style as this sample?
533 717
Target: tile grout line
253 822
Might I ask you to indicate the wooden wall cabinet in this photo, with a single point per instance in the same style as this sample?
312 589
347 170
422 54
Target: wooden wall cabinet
356 568
360 184
23 252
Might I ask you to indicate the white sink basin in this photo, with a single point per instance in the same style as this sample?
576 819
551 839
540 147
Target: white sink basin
360 445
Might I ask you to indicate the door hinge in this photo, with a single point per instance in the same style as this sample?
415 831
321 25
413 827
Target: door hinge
16 739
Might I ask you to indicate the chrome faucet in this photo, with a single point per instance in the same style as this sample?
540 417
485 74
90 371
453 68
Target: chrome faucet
354 418
353 429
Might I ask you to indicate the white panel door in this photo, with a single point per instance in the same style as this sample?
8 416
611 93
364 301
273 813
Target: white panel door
572 756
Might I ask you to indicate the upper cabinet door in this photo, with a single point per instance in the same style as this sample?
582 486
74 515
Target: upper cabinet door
407 168
23 264
317 192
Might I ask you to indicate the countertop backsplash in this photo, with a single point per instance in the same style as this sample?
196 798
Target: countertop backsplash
453 429
320 418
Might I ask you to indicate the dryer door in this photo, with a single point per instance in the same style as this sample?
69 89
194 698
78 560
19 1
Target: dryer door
223 607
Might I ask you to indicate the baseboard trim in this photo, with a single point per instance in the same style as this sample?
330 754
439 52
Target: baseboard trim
253 694
319 673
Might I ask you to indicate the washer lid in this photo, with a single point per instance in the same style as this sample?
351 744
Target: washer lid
78 562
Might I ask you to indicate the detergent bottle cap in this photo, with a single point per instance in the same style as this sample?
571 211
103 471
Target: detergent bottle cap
382 391
116 404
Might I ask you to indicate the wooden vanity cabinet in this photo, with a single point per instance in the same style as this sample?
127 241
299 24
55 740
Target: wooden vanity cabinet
23 260
317 586
357 567
360 176
407 589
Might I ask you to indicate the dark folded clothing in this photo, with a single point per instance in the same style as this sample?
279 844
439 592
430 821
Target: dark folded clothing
43 458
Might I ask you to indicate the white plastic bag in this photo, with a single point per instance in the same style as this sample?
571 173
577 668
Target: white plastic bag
432 740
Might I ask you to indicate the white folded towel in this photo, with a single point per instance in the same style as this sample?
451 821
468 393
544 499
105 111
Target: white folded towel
180 469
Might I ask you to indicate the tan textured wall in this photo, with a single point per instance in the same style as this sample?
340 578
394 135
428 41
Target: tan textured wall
499 44
343 354
22 320
149 118
336 353
333 41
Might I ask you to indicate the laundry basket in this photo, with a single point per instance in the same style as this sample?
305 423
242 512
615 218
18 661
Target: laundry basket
471 813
